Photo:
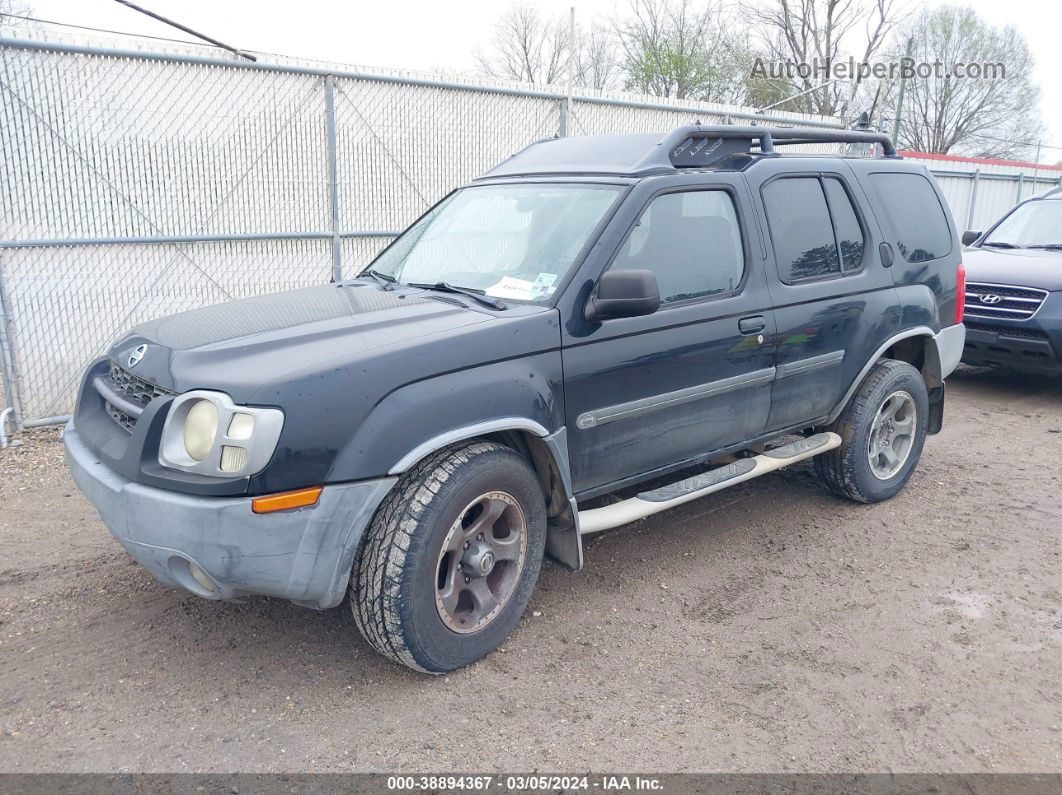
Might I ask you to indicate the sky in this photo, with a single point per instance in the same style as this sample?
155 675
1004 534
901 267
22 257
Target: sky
441 35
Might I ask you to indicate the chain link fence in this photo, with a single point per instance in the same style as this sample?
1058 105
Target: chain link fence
138 184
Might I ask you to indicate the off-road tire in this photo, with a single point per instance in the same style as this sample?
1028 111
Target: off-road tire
846 469
396 568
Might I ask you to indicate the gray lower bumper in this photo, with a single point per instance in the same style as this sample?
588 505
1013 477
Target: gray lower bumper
950 341
304 555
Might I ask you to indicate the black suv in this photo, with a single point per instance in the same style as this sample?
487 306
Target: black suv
596 330
1014 301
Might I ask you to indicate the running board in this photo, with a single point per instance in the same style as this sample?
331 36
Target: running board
649 502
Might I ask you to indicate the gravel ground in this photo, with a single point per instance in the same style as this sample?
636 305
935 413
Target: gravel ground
770 627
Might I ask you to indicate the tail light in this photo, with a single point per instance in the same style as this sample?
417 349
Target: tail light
960 292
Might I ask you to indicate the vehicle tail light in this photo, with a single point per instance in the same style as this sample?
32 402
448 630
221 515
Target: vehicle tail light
960 292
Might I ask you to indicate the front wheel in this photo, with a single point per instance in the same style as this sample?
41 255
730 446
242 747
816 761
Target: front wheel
451 558
883 430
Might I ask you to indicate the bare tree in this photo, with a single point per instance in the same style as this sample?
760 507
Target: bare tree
11 17
533 48
993 115
823 33
527 47
677 48
596 59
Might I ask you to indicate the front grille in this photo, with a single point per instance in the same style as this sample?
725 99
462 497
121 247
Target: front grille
125 395
1023 333
135 389
123 419
1003 301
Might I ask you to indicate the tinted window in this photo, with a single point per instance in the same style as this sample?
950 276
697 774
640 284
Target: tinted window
915 215
690 241
801 231
845 223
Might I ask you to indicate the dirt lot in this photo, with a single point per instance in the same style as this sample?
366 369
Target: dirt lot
770 627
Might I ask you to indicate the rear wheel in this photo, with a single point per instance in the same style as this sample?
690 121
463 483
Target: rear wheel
883 430
451 558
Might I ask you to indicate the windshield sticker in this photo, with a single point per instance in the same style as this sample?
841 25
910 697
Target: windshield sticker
511 287
542 287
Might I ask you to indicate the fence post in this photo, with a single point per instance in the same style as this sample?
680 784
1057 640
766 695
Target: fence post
973 198
562 128
1021 184
7 352
333 177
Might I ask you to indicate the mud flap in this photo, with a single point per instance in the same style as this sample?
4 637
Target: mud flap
936 409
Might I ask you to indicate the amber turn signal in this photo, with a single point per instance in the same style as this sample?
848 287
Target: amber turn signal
286 500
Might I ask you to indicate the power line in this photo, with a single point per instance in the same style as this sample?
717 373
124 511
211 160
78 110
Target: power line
96 30
1012 141
187 29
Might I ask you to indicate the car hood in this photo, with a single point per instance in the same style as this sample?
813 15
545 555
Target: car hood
243 345
1028 267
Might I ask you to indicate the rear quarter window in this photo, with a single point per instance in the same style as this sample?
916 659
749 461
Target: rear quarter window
914 213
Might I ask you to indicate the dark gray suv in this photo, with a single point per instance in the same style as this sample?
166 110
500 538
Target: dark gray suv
1014 300
594 331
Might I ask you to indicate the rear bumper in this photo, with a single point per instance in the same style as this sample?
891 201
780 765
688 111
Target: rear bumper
304 555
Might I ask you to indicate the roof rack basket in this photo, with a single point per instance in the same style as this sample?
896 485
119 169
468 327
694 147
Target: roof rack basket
698 145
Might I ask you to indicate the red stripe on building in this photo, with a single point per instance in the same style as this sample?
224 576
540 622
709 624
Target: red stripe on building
980 160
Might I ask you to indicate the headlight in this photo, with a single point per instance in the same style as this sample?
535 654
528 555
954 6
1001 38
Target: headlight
206 433
200 428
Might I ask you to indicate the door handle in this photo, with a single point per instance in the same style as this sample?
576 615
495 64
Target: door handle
752 325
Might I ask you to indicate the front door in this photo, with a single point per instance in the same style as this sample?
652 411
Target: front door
645 394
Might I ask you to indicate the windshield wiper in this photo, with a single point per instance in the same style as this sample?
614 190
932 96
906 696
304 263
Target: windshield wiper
1053 246
471 292
994 244
386 280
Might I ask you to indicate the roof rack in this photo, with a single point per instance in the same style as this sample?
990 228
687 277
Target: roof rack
692 146
698 145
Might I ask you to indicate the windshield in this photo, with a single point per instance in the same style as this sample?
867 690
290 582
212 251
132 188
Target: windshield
1038 223
511 241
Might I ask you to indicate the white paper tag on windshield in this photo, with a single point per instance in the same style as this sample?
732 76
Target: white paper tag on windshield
542 287
511 287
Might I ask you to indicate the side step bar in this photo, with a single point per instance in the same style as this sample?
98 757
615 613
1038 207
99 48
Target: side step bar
649 502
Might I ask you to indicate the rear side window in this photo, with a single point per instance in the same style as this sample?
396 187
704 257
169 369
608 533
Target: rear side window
913 210
845 223
691 241
814 228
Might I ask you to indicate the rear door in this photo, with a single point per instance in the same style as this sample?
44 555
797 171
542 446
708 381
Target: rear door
645 394
834 299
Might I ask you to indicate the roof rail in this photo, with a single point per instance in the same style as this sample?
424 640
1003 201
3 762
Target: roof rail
698 145
692 146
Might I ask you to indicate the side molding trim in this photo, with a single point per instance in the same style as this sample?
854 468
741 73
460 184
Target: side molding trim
802 366
467 432
637 408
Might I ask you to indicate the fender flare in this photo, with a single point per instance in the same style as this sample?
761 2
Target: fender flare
932 361
943 350
563 541
466 432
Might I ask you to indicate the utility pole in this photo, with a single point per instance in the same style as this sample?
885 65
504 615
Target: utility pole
1036 168
903 89
571 74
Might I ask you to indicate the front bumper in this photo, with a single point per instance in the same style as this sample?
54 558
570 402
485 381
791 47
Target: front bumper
1023 348
304 555
1033 343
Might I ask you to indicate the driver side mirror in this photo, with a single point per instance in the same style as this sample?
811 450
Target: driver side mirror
968 238
624 293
